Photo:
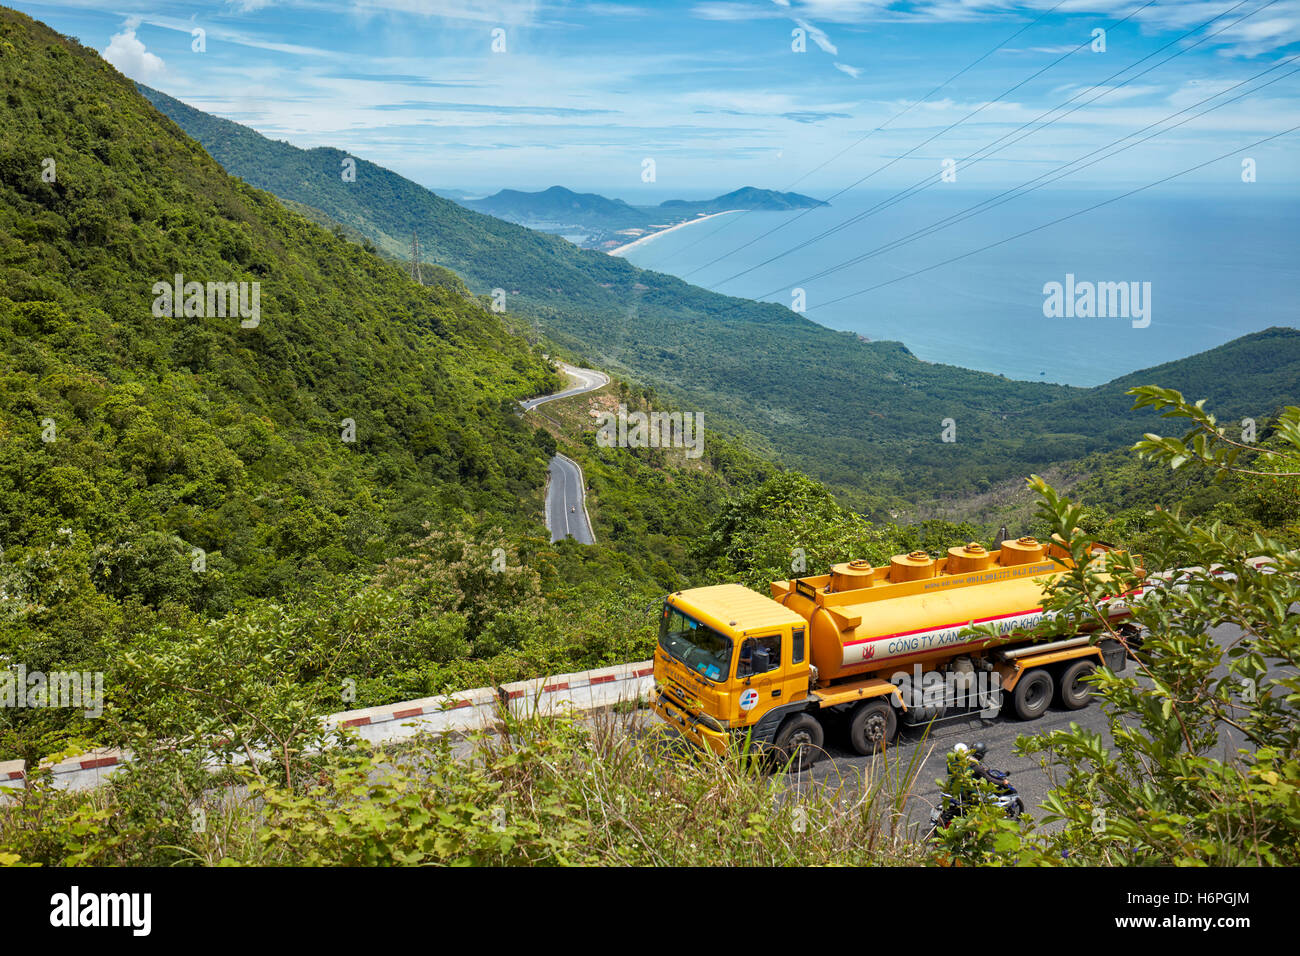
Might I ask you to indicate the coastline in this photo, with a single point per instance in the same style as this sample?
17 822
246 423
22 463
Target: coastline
681 225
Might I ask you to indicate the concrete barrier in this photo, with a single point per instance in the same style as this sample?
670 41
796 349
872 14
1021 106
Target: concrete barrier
461 712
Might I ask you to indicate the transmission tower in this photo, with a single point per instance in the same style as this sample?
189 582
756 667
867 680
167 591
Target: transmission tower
415 259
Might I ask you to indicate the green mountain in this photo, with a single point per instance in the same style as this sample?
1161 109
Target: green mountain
152 418
866 417
560 205
747 197
310 451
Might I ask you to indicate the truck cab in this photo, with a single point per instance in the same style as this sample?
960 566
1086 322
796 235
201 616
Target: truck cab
729 663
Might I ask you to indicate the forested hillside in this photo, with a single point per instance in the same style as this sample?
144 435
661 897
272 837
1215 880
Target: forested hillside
345 479
864 417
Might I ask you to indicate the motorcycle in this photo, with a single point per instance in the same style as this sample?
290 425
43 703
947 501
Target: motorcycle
1005 796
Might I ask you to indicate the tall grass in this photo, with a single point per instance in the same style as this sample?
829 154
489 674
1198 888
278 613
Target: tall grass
605 789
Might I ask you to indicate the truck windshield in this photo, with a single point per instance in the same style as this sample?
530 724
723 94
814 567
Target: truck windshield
700 648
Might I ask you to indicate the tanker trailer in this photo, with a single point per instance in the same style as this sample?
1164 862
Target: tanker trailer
872 648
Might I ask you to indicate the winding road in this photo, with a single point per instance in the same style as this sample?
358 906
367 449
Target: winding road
588 380
566 504
566 494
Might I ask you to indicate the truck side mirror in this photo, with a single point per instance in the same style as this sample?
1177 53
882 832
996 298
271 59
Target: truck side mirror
762 662
746 666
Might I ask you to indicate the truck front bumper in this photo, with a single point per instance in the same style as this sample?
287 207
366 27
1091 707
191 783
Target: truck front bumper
689 727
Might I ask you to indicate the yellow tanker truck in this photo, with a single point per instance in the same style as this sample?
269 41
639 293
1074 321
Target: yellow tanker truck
870 648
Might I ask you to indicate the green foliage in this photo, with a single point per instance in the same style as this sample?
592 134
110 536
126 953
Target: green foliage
1257 491
1206 441
164 479
1218 669
533 792
791 526
981 834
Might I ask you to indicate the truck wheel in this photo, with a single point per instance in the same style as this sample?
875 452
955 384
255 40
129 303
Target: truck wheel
1073 693
1032 694
873 726
798 742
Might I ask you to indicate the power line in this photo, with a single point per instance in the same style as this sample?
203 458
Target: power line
975 157
1017 192
1021 235
1063 171
898 115
949 128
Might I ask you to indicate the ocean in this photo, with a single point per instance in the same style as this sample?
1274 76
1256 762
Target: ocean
1198 272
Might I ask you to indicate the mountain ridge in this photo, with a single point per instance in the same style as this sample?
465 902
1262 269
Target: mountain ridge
791 385
610 221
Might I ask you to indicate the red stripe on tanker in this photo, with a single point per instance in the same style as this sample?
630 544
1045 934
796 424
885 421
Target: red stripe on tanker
910 643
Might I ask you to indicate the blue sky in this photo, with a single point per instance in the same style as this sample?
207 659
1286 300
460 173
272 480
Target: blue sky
711 90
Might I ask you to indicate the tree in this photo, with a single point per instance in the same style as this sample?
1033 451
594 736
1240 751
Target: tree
1217 668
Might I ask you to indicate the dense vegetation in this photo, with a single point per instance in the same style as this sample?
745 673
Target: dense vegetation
864 417
181 509
1123 498
548 791
350 481
1205 764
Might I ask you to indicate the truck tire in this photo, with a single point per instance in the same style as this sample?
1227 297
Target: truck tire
1072 693
798 742
1033 694
873 726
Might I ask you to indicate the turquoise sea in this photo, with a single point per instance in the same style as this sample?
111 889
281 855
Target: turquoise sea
1218 266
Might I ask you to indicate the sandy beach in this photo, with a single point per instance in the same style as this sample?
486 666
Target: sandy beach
681 225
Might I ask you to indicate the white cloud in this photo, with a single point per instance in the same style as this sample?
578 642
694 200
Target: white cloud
725 12
126 52
1252 37
819 37
852 71
513 12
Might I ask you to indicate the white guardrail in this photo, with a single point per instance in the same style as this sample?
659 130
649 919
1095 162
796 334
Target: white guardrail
461 712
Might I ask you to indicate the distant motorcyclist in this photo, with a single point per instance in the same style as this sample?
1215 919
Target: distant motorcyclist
962 788
967 763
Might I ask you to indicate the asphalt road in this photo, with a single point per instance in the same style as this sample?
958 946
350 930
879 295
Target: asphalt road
566 493
566 508
999 733
587 380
